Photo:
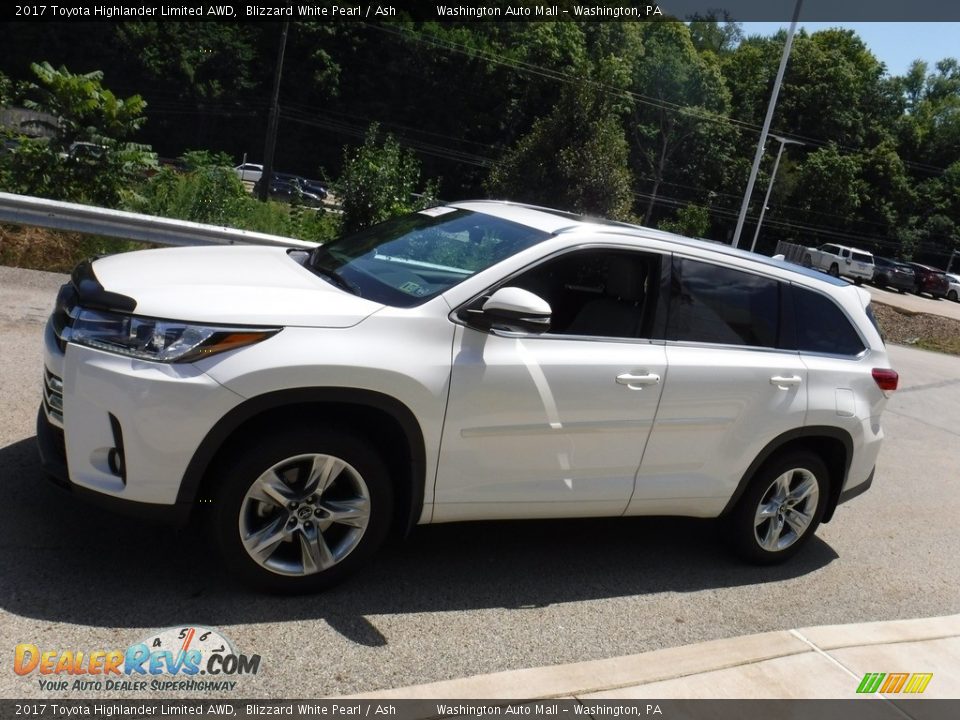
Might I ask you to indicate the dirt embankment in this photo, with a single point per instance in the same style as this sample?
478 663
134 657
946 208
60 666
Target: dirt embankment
930 332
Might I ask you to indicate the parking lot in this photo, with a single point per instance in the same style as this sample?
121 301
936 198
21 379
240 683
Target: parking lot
915 303
475 598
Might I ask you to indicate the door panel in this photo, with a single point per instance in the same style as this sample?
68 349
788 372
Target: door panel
541 425
719 408
735 383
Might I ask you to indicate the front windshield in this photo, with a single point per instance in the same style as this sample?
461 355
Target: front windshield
408 260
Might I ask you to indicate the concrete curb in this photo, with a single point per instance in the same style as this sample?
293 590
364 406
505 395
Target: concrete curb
820 662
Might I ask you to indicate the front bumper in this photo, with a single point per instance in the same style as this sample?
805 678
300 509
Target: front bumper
53 458
124 431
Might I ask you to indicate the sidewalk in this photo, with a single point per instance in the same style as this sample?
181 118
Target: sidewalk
826 662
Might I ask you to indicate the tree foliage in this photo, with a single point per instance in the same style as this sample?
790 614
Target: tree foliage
656 121
575 158
380 179
89 156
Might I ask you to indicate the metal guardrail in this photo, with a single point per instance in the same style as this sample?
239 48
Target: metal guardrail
26 210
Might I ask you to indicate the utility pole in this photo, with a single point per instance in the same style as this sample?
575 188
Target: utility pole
771 106
273 120
763 210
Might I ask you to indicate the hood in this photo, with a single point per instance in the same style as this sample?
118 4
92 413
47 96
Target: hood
238 284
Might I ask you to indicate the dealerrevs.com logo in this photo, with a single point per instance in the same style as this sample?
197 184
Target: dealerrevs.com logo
177 659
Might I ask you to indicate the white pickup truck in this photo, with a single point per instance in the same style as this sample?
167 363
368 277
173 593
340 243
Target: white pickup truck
841 261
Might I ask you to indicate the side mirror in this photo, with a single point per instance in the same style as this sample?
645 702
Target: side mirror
517 310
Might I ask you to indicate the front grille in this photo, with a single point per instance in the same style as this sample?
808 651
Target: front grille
53 397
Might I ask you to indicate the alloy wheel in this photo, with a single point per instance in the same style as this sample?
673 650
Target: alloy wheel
786 510
304 514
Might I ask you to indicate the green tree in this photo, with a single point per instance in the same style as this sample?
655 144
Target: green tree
715 31
380 180
89 157
6 90
678 131
575 158
691 220
830 182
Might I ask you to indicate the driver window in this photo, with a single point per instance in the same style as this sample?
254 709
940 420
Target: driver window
599 293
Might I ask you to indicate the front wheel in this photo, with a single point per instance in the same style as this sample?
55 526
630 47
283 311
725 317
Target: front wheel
834 270
781 509
299 511
952 295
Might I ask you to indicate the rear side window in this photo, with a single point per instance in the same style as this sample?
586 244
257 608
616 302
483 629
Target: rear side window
822 327
716 304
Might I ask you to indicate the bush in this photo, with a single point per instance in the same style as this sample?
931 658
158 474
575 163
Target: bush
213 194
691 221
379 181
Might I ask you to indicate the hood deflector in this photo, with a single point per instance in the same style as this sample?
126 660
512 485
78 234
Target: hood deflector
91 294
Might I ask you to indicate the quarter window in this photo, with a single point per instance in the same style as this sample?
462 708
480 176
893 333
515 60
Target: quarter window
715 304
822 327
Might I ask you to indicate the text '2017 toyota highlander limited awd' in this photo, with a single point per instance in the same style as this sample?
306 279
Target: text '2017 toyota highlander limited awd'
479 360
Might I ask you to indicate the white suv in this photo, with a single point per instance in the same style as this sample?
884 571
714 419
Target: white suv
476 361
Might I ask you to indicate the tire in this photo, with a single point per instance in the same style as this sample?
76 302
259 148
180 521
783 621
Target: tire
952 295
903 291
807 261
834 270
858 281
765 507
317 500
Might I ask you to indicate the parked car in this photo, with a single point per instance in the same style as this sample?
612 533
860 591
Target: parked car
931 280
475 361
841 261
891 273
289 188
251 172
315 187
953 289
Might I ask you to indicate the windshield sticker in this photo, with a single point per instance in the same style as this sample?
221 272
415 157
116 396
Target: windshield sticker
437 211
412 288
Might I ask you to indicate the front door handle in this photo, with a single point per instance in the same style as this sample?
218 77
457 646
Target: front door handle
784 382
637 382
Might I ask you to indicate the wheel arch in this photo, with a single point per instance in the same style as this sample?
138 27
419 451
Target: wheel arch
832 444
388 423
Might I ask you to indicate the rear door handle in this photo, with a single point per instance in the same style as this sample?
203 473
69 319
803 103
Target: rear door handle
784 382
637 382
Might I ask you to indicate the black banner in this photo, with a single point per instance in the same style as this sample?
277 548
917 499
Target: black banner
484 10
872 708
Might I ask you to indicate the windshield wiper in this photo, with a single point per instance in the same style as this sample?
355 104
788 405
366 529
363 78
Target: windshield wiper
336 279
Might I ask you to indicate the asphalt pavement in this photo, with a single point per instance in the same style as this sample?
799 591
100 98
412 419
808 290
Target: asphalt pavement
463 600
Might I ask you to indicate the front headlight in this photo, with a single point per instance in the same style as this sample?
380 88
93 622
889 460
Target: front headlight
158 340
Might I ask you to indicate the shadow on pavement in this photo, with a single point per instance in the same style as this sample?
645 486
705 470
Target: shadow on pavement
62 560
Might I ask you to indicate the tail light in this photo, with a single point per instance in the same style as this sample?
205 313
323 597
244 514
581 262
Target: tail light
886 379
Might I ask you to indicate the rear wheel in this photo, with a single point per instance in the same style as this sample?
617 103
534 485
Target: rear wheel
300 511
781 509
834 270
